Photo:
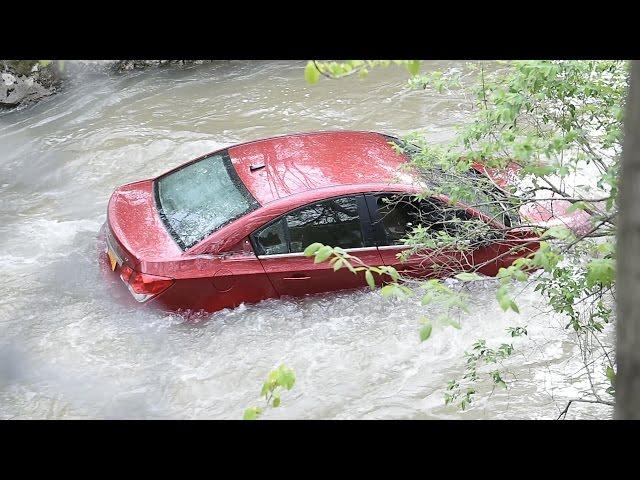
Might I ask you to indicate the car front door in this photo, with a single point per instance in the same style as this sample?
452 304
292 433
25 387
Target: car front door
394 216
339 222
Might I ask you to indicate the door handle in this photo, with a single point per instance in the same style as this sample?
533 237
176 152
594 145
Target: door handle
296 278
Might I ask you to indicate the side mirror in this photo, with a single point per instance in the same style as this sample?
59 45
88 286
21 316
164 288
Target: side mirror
246 246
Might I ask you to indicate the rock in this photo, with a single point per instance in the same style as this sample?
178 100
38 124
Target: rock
22 91
25 81
9 79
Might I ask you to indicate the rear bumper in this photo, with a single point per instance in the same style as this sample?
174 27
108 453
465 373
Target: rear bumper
112 281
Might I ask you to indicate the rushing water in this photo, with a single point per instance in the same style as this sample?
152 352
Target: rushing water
68 351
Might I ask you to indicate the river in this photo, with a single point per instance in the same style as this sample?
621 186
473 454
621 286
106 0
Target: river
68 351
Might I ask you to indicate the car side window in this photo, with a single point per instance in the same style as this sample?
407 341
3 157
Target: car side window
400 214
396 213
334 222
272 239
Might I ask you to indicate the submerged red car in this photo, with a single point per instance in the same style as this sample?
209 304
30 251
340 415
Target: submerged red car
231 226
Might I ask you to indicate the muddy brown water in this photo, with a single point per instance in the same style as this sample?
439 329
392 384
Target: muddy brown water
67 350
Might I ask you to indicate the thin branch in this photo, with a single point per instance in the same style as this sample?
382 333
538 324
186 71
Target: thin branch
582 400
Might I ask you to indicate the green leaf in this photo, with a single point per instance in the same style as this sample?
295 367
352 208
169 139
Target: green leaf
580 205
425 332
276 402
505 300
313 248
265 389
311 73
514 306
290 379
497 379
545 257
286 377
505 303
611 375
601 271
388 290
323 253
392 272
503 297
540 170
467 277
252 413
606 248
392 289
426 300
517 331
520 275
450 321
413 66
369 276
272 378
559 232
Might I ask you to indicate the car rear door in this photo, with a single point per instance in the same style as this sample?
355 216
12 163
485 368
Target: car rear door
339 222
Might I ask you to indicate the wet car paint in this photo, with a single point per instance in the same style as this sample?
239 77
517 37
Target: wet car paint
282 174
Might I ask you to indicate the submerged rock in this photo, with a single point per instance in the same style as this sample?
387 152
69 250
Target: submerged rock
25 81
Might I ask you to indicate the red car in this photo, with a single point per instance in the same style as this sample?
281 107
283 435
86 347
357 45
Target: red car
231 226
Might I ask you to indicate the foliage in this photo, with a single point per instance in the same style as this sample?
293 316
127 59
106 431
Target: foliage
557 126
277 380
480 356
339 258
439 81
560 123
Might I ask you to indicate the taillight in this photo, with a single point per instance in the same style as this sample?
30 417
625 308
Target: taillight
125 273
144 286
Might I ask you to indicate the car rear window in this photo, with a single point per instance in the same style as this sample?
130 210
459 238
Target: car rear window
334 222
201 197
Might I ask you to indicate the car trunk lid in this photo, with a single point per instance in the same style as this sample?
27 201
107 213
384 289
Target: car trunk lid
136 231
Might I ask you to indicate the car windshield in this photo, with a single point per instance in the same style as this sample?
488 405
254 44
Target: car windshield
482 193
198 199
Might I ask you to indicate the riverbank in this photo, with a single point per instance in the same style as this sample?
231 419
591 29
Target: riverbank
126 65
27 81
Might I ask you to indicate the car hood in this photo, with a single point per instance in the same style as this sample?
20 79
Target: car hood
551 213
541 213
136 224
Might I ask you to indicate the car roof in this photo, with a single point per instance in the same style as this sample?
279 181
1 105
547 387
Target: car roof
279 167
